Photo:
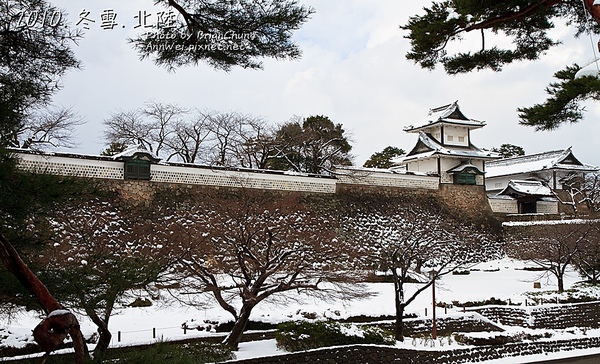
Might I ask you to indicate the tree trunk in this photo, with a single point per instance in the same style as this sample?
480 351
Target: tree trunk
105 335
235 336
46 330
561 283
399 303
399 324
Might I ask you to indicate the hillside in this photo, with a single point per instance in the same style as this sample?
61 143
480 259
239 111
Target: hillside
501 279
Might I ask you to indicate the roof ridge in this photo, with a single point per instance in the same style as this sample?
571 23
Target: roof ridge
527 157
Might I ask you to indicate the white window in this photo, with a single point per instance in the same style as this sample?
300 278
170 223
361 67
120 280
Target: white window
450 138
461 139
498 184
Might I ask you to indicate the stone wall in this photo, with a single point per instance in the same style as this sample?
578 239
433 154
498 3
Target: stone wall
466 200
360 354
545 317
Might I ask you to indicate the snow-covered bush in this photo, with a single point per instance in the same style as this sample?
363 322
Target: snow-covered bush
304 335
478 339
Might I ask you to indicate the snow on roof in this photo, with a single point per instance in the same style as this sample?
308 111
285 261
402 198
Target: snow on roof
528 188
557 159
465 167
592 69
132 150
449 114
435 148
393 170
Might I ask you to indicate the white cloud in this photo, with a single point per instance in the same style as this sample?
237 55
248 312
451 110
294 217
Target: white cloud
353 70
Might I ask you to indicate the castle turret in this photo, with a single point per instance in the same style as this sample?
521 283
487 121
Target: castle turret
444 147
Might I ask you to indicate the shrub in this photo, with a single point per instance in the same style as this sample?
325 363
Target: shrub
498 338
304 335
461 272
490 301
159 353
198 352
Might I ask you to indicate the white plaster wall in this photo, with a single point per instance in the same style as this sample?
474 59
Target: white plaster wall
446 164
209 177
497 183
547 207
390 180
428 165
503 206
490 183
436 131
91 168
456 133
65 166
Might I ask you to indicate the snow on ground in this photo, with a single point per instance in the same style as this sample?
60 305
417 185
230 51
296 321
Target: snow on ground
502 279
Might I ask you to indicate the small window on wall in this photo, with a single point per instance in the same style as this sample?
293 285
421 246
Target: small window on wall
137 169
450 138
461 139
465 179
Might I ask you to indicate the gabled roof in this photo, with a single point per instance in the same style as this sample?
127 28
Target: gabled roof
136 152
526 188
428 147
557 159
447 114
466 167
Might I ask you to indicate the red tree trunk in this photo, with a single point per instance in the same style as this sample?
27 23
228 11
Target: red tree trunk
51 332
594 10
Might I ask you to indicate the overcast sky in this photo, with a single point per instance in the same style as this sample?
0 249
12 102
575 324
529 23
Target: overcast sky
353 70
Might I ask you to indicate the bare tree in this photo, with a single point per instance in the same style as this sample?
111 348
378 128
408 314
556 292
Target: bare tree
257 246
553 246
150 126
254 143
229 139
592 188
588 257
575 192
188 140
46 127
234 137
413 241
128 127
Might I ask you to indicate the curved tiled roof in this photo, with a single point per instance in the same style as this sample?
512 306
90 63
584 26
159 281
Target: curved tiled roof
428 147
556 159
447 114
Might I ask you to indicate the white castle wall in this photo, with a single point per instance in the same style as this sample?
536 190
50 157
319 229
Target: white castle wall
107 168
249 179
387 179
65 165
